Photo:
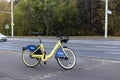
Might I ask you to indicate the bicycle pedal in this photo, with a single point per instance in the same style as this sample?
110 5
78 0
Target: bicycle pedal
45 63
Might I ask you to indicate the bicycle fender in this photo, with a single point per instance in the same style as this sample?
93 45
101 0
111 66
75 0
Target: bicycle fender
31 48
60 53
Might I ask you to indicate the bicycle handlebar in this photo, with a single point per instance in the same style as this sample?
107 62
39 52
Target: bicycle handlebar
59 36
66 38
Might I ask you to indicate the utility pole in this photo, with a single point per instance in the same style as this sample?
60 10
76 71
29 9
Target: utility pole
12 22
107 11
106 18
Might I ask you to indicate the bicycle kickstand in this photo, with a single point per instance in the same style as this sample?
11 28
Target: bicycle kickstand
40 64
44 58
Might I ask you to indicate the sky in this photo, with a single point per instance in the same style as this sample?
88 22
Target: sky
9 0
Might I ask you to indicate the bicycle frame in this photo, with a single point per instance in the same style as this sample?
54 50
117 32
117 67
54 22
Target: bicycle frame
51 54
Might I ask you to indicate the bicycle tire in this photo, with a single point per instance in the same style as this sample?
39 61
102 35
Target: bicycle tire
67 63
28 60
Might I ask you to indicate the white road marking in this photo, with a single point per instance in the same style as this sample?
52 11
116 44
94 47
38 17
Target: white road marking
95 66
118 53
106 47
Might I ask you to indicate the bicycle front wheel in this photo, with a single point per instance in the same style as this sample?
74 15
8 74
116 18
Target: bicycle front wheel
69 61
28 60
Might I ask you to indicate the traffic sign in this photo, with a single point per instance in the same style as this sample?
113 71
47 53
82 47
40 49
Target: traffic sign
6 26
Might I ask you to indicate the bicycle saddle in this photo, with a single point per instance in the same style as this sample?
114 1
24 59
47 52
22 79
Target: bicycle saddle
64 40
38 33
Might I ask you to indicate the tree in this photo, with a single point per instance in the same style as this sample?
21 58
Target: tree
76 17
44 15
114 18
4 16
23 17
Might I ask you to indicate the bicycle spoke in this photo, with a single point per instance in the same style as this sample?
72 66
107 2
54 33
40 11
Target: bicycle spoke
69 62
28 60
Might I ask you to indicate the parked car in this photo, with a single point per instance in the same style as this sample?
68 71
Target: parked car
3 37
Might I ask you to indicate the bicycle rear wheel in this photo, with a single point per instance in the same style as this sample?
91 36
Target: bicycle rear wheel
69 61
28 60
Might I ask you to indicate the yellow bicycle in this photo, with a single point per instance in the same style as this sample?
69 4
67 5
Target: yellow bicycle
32 54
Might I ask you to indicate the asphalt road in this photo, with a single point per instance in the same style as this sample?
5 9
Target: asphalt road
102 48
87 67
12 68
